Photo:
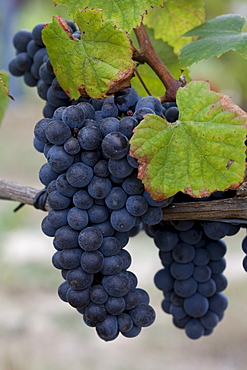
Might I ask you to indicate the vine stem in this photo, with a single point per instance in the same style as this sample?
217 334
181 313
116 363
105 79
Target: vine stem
147 54
232 208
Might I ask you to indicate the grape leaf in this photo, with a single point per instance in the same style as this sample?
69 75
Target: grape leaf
128 13
151 80
4 93
174 19
97 65
202 152
217 36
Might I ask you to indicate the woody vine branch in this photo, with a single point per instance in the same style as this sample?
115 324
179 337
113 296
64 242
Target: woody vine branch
147 54
232 208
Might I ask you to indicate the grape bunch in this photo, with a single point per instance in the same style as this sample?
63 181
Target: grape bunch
96 202
192 280
32 62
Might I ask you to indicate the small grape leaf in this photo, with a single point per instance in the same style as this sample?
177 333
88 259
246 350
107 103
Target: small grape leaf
204 151
151 80
217 36
97 65
174 19
128 13
4 93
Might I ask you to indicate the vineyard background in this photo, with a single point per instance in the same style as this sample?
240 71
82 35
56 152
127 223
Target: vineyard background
37 330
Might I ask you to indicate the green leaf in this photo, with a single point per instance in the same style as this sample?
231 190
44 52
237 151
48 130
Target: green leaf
174 19
128 13
217 36
4 93
98 65
151 80
202 152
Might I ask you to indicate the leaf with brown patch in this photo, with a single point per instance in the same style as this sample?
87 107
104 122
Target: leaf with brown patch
97 65
127 13
204 151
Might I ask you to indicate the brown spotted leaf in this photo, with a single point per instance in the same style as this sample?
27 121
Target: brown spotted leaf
204 151
127 13
97 65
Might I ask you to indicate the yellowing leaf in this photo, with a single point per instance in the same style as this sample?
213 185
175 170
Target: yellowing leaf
99 64
174 19
202 152
128 13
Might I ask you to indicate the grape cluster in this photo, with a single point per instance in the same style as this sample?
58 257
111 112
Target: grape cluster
97 202
32 62
192 279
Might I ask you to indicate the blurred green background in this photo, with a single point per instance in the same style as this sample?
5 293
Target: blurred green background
40 332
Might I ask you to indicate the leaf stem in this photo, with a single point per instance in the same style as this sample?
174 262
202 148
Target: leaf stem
147 54
141 80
